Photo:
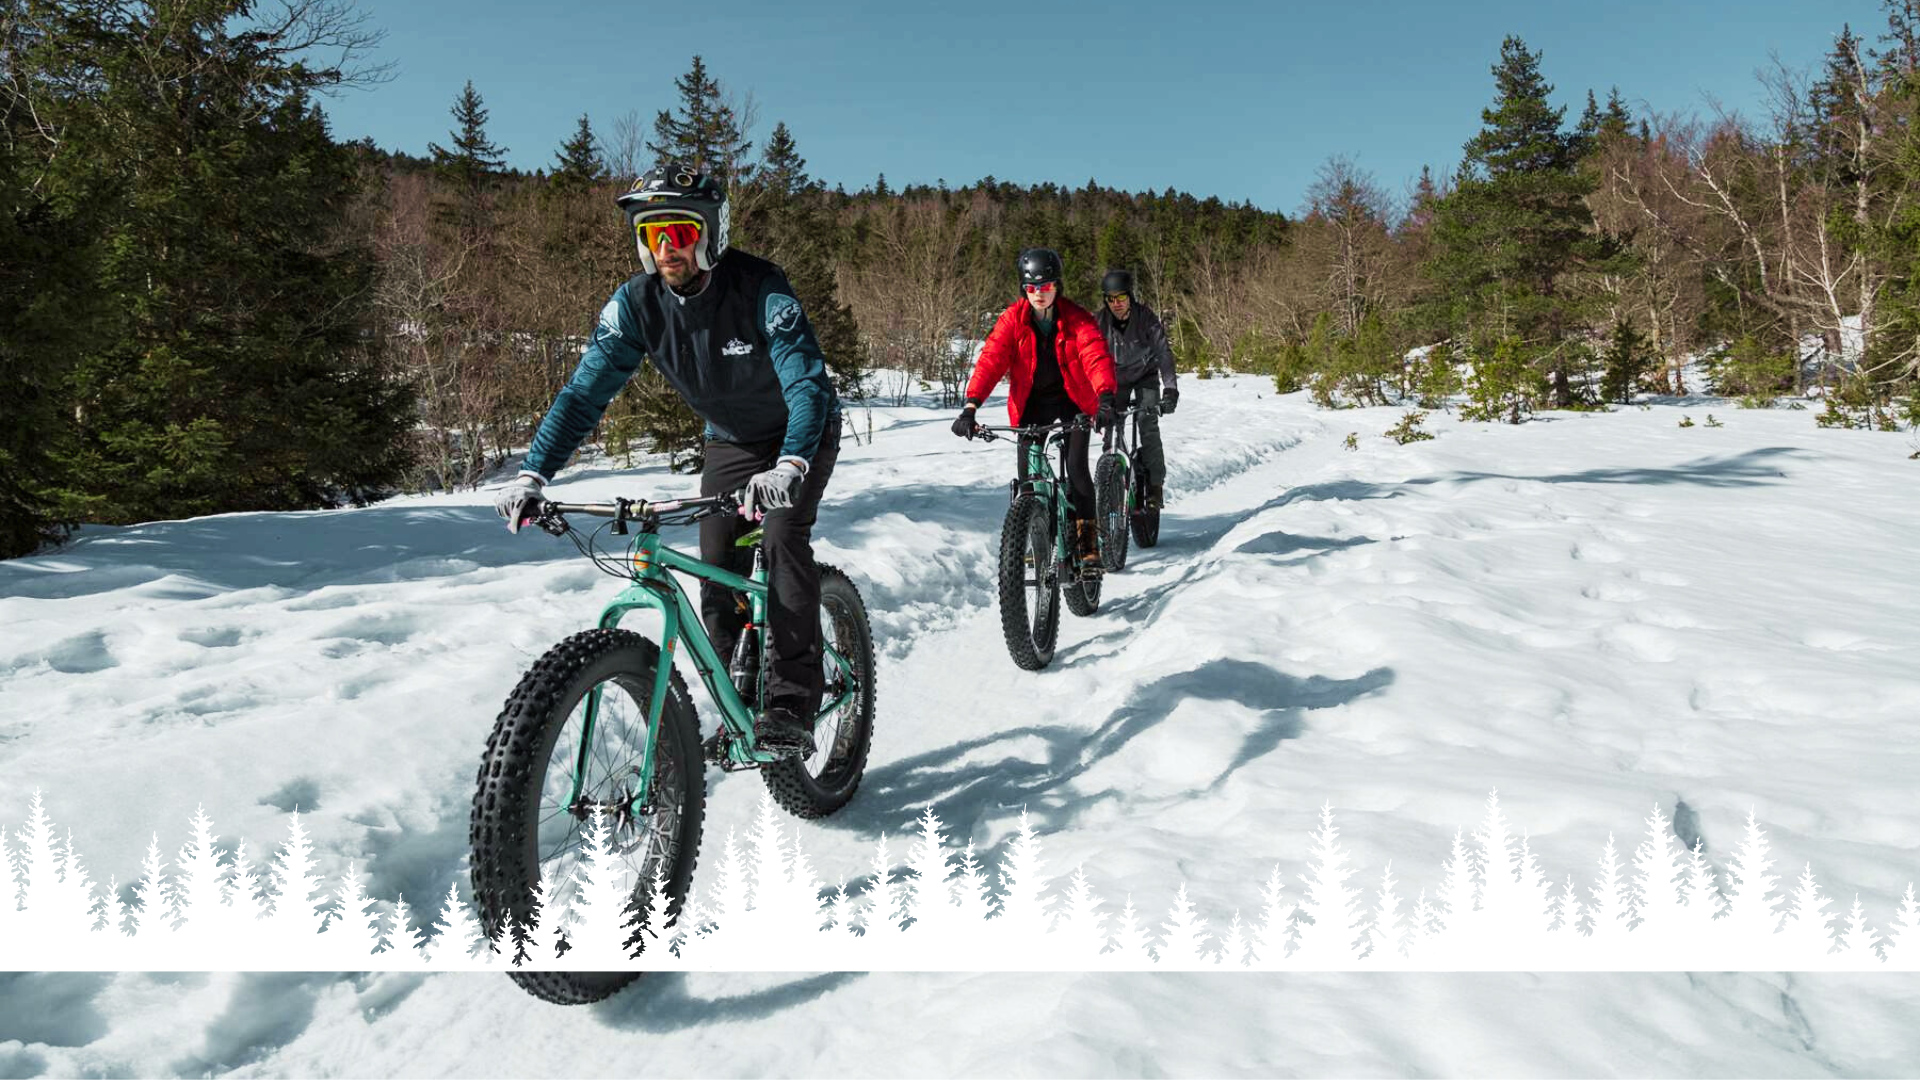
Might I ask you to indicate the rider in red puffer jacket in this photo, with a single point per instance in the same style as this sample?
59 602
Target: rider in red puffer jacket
1056 362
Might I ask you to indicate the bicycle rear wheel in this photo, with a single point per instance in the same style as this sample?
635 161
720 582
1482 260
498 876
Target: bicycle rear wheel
1145 520
823 783
1029 583
526 826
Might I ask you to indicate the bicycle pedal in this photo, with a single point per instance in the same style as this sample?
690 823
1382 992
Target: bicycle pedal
714 749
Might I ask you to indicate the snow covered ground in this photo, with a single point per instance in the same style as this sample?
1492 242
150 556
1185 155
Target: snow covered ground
1594 614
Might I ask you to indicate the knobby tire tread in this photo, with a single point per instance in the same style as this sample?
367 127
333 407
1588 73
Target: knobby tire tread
516 753
798 792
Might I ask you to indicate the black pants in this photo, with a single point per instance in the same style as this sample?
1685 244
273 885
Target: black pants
1145 393
797 678
1079 478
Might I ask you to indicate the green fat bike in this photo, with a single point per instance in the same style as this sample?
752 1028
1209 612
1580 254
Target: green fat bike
600 725
1121 495
1037 563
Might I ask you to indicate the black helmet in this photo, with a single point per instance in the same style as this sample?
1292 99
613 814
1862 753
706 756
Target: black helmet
1039 266
1117 281
673 188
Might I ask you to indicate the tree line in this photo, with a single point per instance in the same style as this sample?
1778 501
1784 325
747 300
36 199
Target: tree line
211 303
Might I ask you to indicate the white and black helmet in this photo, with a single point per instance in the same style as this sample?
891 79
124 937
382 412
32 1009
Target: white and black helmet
671 189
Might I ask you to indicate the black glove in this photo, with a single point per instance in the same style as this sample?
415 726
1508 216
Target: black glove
964 425
1168 399
1107 415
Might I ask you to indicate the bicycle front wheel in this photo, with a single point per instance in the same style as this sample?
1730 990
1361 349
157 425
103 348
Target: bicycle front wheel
1029 583
1110 490
528 823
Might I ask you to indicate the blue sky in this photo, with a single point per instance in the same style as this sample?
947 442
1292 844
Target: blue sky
1242 101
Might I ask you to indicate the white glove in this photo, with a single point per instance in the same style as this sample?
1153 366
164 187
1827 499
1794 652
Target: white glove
775 489
519 501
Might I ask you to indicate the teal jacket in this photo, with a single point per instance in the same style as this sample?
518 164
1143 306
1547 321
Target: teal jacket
741 353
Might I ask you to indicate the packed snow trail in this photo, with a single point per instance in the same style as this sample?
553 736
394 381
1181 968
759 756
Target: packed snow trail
1594 614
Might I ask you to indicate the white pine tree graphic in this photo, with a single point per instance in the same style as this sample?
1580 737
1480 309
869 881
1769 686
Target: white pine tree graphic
1421 926
199 894
602 895
1807 933
1327 942
350 933
1274 937
1751 915
455 936
1132 951
1235 950
1609 913
881 914
1019 934
936 918
56 899
767 913
1859 945
1184 939
1903 942
1456 909
1704 902
1081 932
1387 936
149 922
402 947
971 899
1656 883
295 920
242 893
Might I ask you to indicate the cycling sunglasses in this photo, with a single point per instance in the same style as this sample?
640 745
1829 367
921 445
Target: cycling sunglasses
1045 286
679 232
1112 296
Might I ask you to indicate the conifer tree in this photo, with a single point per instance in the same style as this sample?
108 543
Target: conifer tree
474 160
579 164
1183 945
784 217
704 132
1515 229
225 363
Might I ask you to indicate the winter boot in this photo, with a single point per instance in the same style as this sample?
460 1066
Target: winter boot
780 731
1086 544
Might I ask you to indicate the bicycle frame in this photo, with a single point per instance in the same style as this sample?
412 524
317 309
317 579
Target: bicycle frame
1036 442
652 565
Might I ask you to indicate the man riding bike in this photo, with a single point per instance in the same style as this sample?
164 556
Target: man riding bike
724 329
1058 368
1138 342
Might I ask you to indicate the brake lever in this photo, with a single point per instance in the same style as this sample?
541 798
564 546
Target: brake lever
551 521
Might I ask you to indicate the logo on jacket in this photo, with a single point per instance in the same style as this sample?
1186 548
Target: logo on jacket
783 313
736 347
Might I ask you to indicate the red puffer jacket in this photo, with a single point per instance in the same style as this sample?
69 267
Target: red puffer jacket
1086 367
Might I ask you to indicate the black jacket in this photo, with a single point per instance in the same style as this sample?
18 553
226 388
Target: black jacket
1140 348
741 353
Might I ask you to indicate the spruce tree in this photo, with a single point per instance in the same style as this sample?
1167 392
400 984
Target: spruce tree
471 165
705 133
579 164
790 224
783 172
45 297
1515 229
227 363
1626 359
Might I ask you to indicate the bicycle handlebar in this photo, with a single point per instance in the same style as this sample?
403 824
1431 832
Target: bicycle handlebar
552 516
990 434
